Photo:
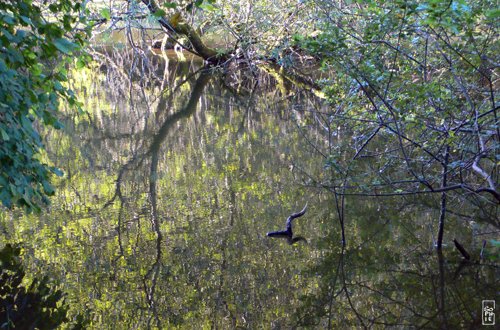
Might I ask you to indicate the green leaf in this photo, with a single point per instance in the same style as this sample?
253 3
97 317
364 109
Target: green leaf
26 20
65 46
207 6
57 172
105 13
170 5
57 86
493 13
5 136
8 19
159 13
47 187
80 63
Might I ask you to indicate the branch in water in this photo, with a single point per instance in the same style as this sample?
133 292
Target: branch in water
288 232
462 250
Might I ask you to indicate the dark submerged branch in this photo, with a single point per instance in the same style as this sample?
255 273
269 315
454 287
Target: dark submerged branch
462 250
288 232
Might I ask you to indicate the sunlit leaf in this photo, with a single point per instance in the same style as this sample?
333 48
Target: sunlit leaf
105 13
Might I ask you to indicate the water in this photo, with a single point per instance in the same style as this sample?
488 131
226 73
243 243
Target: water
174 176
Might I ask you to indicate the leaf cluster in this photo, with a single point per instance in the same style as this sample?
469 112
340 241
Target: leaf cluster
37 41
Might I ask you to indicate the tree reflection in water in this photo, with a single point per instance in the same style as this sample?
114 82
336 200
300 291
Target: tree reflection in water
379 283
173 176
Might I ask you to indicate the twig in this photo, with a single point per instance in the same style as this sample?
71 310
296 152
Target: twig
481 255
462 250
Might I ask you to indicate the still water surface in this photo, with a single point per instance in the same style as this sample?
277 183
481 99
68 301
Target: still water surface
174 176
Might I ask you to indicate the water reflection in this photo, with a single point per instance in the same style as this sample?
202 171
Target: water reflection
379 283
172 180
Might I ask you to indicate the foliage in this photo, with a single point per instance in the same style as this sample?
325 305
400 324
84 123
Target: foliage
38 305
37 40
415 86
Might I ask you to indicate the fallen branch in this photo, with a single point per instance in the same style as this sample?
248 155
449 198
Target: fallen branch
180 27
